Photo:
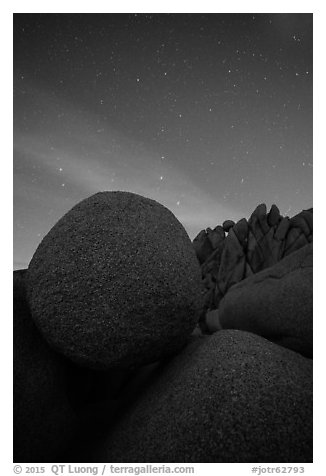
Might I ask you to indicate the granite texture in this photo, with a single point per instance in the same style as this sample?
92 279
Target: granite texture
116 282
230 397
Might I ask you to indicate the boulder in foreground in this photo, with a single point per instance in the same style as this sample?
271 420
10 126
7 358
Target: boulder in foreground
116 282
227 398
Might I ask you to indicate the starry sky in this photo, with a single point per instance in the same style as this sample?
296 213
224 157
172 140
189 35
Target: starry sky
209 114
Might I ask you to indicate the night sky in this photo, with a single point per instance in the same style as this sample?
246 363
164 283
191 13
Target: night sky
209 114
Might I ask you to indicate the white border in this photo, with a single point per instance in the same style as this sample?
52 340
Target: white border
319 198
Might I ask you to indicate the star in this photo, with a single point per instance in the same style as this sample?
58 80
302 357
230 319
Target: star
95 99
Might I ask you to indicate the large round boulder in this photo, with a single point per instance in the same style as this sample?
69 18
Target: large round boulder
232 397
44 420
116 282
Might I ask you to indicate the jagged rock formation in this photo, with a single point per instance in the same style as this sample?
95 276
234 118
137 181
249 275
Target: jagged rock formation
232 252
115 282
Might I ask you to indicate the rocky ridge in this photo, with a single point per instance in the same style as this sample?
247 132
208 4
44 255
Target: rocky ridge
234 251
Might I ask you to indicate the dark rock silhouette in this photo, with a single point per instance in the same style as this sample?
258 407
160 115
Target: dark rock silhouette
44 422
229 397
249 247
276 303
227 224
112 394
116 282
